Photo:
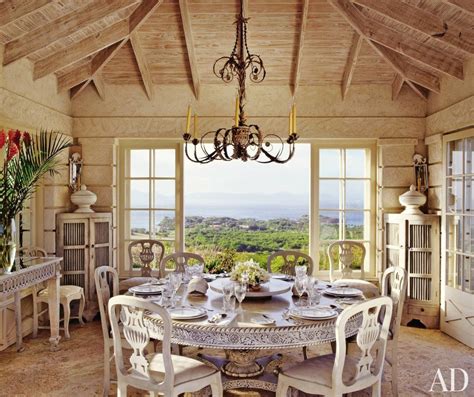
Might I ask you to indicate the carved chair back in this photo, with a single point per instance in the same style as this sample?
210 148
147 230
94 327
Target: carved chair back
132 311
146 253
106 285
371 341
290 260
181 260
394 285
33 251
343 253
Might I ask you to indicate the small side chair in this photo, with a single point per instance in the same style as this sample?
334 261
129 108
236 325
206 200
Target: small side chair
163 373
290 258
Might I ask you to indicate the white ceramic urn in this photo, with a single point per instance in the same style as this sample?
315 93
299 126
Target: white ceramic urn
412 201
83 198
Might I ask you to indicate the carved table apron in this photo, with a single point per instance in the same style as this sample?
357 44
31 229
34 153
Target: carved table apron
249 347
34 271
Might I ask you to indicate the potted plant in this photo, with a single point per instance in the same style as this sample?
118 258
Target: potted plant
26 159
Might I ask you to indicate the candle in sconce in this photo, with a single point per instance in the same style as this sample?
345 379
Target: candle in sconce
188 119
195 125
293 128
290 121
237 105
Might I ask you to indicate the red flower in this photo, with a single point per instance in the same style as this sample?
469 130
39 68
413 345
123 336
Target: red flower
26 138
3 138
12 150
15 136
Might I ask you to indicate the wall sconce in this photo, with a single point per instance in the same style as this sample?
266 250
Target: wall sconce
75 170
421 172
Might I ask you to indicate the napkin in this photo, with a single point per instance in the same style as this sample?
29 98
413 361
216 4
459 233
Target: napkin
197 286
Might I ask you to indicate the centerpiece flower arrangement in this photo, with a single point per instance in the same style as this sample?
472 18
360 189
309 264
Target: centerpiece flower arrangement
256 275
26 159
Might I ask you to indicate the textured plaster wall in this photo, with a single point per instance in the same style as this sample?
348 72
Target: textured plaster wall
31 105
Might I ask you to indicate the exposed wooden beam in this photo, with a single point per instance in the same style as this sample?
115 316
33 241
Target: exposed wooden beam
82 49
142 65
414 77
11 10
399 42
465 5
422 21
94 66
99 85
357 41
58 28
299 54
397 86
135 20
188 37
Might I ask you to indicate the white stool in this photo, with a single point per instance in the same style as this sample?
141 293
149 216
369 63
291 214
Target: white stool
67 294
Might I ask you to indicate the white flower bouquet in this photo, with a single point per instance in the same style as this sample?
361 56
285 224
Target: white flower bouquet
256 275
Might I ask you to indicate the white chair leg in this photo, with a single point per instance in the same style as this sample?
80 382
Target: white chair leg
282 388
395 377
121 389
216 386
106 385
67 316
35 312
81 308
377 389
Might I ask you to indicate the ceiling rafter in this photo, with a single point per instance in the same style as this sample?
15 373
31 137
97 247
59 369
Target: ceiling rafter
352 58
100 59
465 5
422 21
188 37
397 86
299 55
61 27
410 74
11 10
99 85
142 65
403 44
82 49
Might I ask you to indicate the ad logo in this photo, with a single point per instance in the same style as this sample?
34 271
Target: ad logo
439 384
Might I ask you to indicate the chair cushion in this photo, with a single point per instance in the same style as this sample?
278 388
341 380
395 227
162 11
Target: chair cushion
370 290
185 368
124 285
319 370
64 291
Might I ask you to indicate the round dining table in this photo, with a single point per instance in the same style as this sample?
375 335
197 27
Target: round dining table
249 345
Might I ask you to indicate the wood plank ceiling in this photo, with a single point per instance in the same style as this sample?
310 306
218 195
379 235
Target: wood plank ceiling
302 42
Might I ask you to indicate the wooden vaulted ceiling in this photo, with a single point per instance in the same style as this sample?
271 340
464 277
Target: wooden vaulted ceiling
302 42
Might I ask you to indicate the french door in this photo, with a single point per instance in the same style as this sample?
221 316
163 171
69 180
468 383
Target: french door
457 292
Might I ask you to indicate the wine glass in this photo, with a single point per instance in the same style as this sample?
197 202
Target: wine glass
314 296
300 287
228 290
240 290
176 279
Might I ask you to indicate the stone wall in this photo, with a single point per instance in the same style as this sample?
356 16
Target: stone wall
30 105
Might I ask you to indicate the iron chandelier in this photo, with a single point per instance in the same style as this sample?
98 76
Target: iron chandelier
241 141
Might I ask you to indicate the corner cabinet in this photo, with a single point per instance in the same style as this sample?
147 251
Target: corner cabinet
412 242
84 240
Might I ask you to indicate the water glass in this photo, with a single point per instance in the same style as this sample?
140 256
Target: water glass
300 287
175 281
300 270
228 290
166 295
228 305
314 294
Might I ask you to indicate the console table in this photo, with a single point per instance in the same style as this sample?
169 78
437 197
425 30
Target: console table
33 271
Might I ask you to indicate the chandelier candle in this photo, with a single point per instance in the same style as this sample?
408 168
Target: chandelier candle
188 119
241 141
195 125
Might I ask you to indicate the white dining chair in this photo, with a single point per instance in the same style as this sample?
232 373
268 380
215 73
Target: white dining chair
290 259
162 372
338 374
342 253
394 285
179 260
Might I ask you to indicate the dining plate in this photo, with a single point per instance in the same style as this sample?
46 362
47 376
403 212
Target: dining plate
343 292
146 289
313 313
187 313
